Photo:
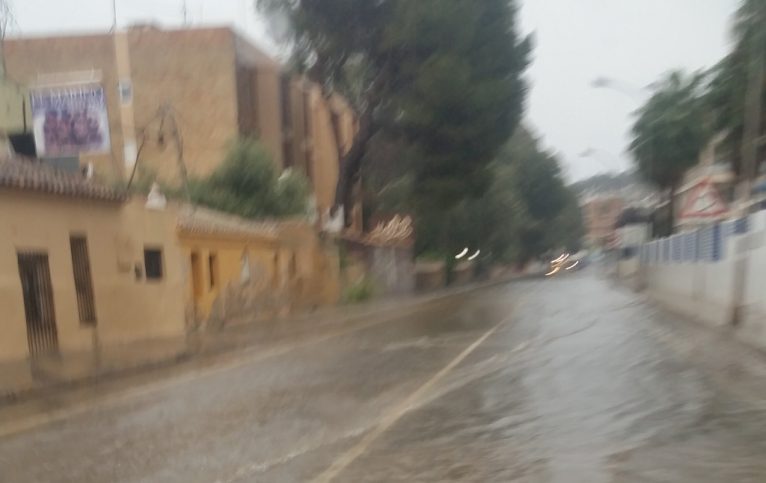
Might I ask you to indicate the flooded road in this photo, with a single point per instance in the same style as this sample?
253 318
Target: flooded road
565 380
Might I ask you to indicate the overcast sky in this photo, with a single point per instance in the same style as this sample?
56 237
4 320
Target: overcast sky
630 41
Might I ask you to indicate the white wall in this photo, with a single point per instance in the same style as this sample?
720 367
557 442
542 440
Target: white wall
753 323
702 291
715 292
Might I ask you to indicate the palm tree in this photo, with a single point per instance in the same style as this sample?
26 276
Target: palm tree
750 30
670 132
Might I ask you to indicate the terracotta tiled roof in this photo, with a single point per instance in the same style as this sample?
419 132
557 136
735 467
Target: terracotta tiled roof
33 175
204 221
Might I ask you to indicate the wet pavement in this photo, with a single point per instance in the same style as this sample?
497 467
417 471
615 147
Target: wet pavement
571 379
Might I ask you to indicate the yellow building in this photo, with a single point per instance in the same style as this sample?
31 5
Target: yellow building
83 268
80 266
214 84
179 266
242 268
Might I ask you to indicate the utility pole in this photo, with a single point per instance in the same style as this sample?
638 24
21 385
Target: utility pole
114 15
6 21
184 13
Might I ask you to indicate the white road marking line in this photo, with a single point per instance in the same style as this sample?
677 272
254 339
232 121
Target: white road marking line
262 467
393 416
482 369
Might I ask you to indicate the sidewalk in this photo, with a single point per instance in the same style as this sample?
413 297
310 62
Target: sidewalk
20 381
25 379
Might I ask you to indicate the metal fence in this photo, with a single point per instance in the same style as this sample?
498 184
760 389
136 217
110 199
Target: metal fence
708 244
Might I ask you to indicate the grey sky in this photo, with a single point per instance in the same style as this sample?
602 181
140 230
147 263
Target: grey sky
633 41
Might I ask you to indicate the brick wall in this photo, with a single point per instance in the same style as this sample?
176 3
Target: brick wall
194 72
265 77
219 86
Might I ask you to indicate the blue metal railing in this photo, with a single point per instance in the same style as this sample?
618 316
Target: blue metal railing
708 244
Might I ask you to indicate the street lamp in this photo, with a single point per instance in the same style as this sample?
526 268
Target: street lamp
636 93
593 153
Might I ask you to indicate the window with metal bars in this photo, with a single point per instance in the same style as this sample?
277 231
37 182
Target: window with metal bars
212 269
39 310
83 281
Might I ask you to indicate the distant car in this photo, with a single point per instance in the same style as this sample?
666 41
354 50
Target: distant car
567 263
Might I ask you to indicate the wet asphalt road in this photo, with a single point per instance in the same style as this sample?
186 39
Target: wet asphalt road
563 380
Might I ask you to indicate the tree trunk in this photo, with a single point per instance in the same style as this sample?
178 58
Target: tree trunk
672 208
753 103
350 162
350 165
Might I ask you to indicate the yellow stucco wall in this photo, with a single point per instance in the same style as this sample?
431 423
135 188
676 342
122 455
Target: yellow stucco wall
317 143
228 252
324 153
316 280
127 309
290 270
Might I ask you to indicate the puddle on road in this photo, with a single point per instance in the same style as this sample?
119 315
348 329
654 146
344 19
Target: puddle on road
605 403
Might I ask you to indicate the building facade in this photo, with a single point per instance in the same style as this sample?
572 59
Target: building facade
82 267
193 91
253 270
600 215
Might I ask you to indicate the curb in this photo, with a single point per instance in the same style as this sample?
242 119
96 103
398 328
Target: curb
10 398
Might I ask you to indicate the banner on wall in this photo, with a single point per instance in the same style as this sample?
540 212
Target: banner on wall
70 120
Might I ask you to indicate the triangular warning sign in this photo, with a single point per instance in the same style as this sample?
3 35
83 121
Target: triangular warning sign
703 201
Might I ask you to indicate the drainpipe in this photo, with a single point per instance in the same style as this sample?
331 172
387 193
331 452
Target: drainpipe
125 99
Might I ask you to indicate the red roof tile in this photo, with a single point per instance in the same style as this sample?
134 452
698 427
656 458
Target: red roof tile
198 220
33 175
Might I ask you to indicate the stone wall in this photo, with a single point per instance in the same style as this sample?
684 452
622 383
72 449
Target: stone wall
430 276
392 269
463 273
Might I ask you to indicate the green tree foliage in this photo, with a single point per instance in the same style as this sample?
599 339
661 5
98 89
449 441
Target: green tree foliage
670 131
750 27
444 75
438 85
567 229
534 175
731 81
247 184
526 212
465 97
726 100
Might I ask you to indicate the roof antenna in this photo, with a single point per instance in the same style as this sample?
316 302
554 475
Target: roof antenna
114 15
184 13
